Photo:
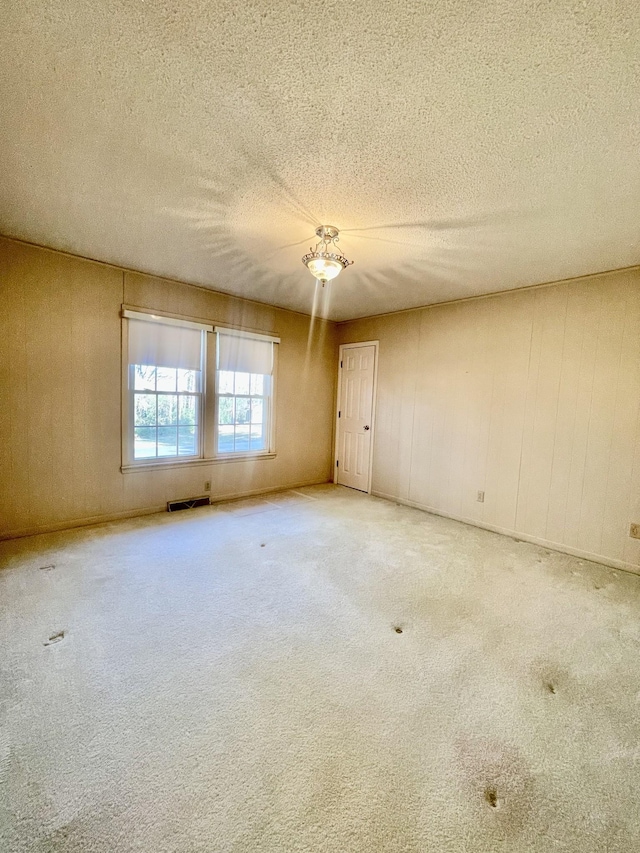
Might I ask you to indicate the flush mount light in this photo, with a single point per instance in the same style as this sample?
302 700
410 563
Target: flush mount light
326 261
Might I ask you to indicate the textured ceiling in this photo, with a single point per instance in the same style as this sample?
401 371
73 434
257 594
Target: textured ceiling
464 146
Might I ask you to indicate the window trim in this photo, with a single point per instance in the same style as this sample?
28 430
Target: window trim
208 395
148 317
240 333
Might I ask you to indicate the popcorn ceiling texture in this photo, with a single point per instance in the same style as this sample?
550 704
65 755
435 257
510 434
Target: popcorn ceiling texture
232 679
464 147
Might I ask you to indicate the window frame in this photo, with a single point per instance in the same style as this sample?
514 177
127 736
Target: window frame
208 397
269 399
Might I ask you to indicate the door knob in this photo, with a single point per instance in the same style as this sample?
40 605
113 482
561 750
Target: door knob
367 427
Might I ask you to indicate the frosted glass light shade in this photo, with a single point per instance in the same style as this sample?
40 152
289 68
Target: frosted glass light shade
326 261
324 268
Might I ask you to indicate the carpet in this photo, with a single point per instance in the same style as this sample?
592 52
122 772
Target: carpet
317 670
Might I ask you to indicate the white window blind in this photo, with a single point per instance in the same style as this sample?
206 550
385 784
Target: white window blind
244 353
164 346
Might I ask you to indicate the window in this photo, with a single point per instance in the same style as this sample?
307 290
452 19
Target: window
165 384
190 397
244 392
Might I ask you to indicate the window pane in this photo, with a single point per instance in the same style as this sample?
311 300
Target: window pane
225 439
167 409
242 438
225 382
258 438
256 411
187 410
166 378
145 409
226 410
257 384
144 377
243 412
167 441
187 441
188 380
144 442
242 383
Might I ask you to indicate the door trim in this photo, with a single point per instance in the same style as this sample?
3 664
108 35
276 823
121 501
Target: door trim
343 347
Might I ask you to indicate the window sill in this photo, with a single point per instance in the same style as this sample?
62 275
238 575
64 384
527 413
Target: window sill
194 463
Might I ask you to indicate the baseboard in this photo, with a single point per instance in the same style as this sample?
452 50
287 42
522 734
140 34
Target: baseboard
136 513
87 521
525 537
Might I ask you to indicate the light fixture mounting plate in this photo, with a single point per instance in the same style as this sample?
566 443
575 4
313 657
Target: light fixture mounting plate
329 231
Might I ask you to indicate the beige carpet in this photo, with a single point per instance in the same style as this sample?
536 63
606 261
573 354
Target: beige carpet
234 679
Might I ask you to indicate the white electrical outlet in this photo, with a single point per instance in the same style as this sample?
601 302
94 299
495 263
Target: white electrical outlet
634 531
207 486
480 497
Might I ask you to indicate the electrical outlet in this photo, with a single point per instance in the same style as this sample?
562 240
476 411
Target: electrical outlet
207 486
634 531
480 497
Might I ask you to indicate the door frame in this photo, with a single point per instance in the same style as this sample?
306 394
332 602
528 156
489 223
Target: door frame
374 395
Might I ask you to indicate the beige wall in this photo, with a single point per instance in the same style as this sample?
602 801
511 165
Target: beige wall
60 387
533 397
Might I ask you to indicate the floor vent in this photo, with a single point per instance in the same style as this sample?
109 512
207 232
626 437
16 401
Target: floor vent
188 503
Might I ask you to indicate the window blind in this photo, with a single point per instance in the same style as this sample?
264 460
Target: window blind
245 353
165 344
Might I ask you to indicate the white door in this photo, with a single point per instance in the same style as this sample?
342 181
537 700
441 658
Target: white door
355 410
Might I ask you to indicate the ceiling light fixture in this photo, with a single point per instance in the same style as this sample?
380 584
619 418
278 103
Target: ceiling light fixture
326 261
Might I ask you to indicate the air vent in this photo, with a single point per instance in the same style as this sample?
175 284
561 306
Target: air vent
188 503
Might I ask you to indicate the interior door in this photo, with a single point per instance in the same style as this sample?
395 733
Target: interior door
357 374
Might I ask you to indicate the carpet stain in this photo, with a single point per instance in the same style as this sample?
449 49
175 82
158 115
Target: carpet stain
67 837
490 766
55 638
491 796
552 677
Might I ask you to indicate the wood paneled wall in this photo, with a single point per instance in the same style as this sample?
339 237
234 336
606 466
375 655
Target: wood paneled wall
60 392
532 397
